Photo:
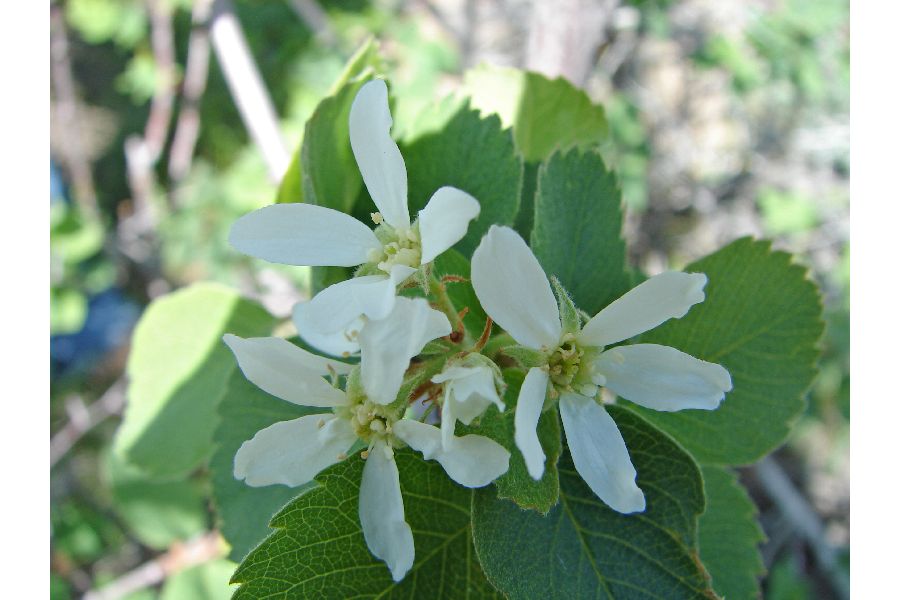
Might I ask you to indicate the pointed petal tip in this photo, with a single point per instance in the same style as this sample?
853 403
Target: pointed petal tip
634 503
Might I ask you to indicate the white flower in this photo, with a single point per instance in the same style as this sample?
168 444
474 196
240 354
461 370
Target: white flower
306 234
515 292
470 387
294 452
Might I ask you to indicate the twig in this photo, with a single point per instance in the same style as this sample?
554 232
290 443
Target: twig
315 18
163 43
442 20
83 418
803 518
195 75
565 36
67 117
137 232
179 557
247 88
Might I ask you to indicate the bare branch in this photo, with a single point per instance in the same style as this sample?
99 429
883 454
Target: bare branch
67 116
179 557
803 518
194 85
247 87
442 20
315 18
163 42
566 35
83 418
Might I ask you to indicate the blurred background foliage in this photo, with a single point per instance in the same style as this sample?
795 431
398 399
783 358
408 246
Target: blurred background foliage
725 117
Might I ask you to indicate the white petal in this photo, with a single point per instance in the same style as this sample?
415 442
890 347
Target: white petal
466 396
293 452
452 372
472 460
528 413
663 378
338 343
380 162
282 369
336 307
303 234
388 345
444 220
448 419
600 454
660 298
472 390
381 512
514 290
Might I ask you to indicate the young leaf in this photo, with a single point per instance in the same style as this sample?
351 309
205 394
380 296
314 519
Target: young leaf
584 549
323 170
730 536
761 320
318 550
475 155
516 484
545 114
178 368
577 228
244 512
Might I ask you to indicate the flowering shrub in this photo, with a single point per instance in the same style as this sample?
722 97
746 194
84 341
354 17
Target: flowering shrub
438 426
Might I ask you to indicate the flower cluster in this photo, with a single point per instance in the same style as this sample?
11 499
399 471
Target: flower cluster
568 356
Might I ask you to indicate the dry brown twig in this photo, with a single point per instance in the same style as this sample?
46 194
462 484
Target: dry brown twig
83 418
802 517
68 120
196 72
180 556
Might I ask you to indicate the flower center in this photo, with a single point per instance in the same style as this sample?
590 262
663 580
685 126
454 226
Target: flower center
370 421
400 246
570 368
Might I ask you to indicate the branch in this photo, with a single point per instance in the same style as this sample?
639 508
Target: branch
137 231
247 88
70 131
315 18
179 557
194 85
83 418
163 43
441 19
804 520
565 36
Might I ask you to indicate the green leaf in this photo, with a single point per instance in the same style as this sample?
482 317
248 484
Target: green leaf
475 155
761 320
324 171
577 228
68 310
208 581
178 368
730 536
73 238
244 512
516 484
584 549
545 114
157 512
318 550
